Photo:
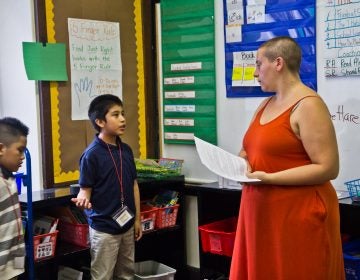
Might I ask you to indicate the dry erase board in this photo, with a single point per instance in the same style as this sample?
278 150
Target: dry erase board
338 44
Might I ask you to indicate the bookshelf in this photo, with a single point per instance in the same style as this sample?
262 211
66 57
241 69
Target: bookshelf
165 245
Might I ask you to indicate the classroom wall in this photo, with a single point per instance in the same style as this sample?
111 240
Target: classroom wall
17 25
18 96
234 114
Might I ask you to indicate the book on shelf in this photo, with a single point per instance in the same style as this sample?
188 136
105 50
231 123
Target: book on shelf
43 224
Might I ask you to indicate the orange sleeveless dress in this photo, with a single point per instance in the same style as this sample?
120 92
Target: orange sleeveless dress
285 232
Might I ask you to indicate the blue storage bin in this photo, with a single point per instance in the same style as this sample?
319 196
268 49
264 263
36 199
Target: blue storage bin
351 252
354 189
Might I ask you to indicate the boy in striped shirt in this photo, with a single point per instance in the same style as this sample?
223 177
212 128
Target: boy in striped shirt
13 140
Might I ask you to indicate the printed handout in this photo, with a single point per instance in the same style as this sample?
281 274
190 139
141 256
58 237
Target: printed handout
222 162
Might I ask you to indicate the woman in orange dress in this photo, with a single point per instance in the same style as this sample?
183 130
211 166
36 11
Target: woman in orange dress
289 225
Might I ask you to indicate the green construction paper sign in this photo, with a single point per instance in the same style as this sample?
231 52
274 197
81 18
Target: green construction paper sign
45 62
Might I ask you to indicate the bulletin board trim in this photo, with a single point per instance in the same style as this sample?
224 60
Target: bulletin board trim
140 78
59 175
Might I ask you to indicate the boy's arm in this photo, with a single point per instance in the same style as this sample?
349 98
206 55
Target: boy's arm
138 229
83 198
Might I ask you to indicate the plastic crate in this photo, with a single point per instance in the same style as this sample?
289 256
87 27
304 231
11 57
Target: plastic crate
44 245
152 270
77 234
351 252
148 215
354 189
166 216
218 237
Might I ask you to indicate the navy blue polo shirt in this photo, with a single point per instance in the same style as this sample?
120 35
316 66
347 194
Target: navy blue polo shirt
97 171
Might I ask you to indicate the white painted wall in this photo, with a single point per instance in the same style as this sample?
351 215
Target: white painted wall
18 95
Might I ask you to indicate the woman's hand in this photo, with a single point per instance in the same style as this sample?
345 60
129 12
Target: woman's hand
261 175
243 155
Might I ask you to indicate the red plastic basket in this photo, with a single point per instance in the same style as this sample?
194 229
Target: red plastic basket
148 215
166 216
218 237
44 245
77 234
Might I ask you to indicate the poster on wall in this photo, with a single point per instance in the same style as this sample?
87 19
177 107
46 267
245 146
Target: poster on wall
342 38
95 62
249 23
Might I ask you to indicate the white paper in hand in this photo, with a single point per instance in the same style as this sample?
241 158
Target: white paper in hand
222 162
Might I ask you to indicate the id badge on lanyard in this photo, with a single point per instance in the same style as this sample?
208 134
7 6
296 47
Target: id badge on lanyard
123 216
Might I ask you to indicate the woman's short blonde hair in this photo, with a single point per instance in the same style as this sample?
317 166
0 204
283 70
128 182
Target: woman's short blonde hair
284 47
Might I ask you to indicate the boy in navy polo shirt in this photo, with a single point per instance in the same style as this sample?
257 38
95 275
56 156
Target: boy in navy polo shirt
109 193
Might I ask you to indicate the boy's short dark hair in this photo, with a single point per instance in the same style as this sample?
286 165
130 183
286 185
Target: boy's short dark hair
99 107
11 129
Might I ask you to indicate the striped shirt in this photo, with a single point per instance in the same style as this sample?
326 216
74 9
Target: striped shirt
11 230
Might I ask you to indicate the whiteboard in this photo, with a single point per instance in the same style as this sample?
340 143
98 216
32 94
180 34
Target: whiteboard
341 94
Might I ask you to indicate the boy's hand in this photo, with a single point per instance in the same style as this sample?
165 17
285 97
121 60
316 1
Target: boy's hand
82 203
83 198
138 230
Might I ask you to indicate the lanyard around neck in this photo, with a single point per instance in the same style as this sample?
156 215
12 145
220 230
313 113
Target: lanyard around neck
119 174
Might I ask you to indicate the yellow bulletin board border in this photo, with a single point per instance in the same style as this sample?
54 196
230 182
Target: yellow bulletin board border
59 175
140 78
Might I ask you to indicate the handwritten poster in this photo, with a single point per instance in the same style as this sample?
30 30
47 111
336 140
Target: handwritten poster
244 69
95 62
342 38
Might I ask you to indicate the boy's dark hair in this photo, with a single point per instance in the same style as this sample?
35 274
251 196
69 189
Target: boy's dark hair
99 107
11 129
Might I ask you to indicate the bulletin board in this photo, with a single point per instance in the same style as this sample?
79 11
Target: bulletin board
64 139
188 60
249 23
